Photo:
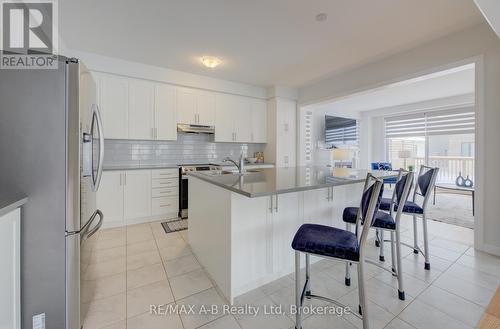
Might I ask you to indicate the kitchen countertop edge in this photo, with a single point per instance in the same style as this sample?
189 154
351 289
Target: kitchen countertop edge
283 191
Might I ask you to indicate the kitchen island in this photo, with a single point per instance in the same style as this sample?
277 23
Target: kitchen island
241 226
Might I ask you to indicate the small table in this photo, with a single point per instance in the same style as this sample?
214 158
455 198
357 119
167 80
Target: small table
455 188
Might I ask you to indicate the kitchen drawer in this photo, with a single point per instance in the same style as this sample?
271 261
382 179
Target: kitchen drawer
164 182
163 192
165 205
165 173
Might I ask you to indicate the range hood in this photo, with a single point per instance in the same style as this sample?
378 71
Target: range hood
195 129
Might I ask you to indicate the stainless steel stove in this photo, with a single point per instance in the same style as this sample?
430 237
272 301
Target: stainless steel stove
183 183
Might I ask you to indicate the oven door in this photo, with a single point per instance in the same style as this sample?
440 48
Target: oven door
183 196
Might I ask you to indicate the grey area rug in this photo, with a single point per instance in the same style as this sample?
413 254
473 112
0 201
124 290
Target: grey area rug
175 225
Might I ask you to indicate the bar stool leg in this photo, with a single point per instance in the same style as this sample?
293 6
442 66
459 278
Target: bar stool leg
347 280
298 293
381 256
399 268
393 253
377 238
361 287
308 274
427 265
415 235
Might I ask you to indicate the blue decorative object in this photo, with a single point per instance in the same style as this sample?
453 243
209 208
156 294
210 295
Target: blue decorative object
468 182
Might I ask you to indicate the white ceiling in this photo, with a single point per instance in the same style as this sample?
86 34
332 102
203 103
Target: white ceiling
454 82
262 42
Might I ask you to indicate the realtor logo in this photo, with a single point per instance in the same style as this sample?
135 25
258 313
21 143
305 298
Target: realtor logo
28 34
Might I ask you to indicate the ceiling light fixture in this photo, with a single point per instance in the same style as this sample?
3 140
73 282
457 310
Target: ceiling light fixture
211 62
321 17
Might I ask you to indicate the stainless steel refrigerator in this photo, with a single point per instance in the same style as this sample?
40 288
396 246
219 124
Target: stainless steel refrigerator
51 150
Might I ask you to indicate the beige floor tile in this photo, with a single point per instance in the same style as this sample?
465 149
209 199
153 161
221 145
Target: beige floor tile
136 261
176 251
104 255
102 287
102 269
140 299
170 240
190 283
386 296
262 320
456 307
411 285
464 289
206 299
109 243
153 321
140 247
326 322
112 233
472 275
105 312
397 323
226 322
181 265
118 325
138 233
145 275
423 316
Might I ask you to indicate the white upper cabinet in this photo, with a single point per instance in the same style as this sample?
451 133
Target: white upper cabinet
114 106
141 101
240 119
195 107
186 106
205 106
165 113
224 122
259 121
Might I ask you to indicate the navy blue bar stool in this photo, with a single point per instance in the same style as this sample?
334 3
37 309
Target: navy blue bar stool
340 245
387 222
425 184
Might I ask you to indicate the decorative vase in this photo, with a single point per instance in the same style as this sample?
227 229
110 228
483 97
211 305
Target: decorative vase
460 180
468 182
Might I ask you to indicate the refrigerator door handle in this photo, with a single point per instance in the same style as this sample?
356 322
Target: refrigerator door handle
96 115
86 232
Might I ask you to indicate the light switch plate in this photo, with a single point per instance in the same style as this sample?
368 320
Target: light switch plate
39 321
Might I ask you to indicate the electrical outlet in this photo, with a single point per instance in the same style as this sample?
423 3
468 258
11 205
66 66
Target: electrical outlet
39 321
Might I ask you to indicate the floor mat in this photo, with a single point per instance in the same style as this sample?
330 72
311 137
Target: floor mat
175 225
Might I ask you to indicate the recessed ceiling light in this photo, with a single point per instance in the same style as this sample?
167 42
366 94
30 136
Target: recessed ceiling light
321 17
211 62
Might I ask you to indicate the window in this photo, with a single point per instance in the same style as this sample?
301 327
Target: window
443 139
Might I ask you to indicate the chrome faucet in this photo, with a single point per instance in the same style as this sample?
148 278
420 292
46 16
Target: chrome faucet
240 166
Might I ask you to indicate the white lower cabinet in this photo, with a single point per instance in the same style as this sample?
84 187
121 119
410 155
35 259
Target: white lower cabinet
135 196
10 275
110 198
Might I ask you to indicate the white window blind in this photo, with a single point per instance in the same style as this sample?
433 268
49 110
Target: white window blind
456 121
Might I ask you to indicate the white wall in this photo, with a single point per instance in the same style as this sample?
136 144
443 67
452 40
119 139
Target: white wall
478 44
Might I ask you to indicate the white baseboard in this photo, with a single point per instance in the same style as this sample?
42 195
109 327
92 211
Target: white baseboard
149 219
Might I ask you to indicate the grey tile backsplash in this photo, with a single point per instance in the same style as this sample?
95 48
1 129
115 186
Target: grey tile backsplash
188 149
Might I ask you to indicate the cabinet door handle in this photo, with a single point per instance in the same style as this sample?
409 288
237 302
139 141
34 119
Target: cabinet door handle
271 207
276 206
